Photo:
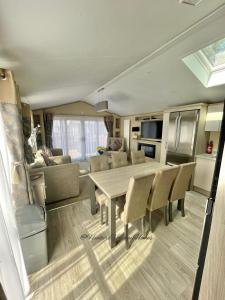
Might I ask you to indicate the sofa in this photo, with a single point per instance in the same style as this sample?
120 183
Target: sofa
61 178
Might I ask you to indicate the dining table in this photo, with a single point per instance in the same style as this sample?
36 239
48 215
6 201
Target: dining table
114 184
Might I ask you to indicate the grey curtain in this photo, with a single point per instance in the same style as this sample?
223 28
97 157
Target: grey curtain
26 121
48 124
10 110
108 120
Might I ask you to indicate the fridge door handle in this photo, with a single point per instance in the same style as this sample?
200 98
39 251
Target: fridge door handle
178 132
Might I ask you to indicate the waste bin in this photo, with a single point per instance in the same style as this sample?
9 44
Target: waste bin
32 226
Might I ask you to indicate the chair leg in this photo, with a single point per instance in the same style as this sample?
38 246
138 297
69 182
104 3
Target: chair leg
166 215
126 236
101 214
182 208
107 215
179 205
150 221
171 211
143 226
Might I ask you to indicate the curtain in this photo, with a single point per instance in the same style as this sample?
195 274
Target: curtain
109 125
26 121
48 125
79 136
12 137
13 273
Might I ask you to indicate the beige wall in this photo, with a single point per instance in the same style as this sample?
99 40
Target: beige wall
79 108
214 136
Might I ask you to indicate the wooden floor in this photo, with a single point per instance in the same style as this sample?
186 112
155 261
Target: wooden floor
82 266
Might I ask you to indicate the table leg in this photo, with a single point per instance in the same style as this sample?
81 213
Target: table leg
112 223
92 197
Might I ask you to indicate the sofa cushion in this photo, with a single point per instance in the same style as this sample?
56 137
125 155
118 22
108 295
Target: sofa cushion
42 155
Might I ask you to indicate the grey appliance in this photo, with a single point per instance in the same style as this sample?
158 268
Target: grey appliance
32 227
182 136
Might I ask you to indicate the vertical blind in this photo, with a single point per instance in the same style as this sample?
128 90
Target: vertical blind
79 136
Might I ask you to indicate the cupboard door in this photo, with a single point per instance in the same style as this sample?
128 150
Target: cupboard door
214 117
204 173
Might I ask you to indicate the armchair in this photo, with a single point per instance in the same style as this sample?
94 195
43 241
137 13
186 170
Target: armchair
115 144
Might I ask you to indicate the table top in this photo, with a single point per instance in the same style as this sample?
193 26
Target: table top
114 182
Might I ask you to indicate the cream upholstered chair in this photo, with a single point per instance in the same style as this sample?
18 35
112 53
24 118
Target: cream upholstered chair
160 192
137 157
119 159
100 163
180 186
135 204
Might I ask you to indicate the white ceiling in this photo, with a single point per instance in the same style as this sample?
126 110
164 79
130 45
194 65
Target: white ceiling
63 51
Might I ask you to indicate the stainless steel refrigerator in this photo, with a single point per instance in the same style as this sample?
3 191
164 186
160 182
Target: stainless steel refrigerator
182 136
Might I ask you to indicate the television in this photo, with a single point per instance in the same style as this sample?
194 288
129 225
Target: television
151 129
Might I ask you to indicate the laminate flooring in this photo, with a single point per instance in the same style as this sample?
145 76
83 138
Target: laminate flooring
82 265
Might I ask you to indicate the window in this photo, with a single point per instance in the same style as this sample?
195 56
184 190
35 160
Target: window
215 53
79 136
208 64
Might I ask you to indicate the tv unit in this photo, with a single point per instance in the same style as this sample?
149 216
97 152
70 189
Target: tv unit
151 129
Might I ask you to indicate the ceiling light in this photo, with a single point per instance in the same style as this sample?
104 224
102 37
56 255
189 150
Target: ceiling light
101 106
190 2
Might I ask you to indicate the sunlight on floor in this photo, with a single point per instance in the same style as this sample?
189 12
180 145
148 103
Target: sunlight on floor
86 268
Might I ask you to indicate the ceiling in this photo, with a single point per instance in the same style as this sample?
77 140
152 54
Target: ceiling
64 51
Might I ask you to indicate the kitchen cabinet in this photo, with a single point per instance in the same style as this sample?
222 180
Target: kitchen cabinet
205 165
214 117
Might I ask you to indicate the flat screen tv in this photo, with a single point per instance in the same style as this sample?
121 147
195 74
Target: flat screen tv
151 129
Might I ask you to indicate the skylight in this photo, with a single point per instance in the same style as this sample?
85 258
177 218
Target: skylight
215 53
208 64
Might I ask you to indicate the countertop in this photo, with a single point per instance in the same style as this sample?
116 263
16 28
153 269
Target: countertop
207 156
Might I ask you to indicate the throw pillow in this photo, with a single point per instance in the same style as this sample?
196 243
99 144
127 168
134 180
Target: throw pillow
48 161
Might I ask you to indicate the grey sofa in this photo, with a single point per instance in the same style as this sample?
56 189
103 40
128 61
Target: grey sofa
61 180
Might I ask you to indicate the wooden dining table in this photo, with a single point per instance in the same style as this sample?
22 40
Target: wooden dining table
114 183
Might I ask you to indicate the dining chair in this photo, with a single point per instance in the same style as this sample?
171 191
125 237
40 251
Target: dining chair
134 207
160 192
97 164
181 185
119 159
137 157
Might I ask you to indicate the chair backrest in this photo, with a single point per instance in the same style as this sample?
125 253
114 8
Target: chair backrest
119 159
161 187
137 157
99 163
182 181
137 197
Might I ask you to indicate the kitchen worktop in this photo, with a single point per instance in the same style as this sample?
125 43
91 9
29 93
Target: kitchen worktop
206 156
